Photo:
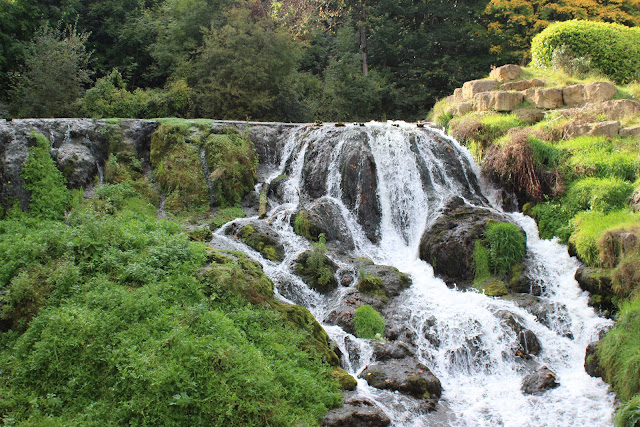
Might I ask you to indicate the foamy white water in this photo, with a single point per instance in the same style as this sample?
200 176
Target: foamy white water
462 337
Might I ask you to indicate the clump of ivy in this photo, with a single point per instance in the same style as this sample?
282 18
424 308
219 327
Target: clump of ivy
49 197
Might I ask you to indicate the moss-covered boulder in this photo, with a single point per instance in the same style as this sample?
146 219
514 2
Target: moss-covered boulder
317 271
448 245
259 237
323 216
597 281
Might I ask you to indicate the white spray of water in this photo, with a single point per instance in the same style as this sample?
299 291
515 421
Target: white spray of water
460 335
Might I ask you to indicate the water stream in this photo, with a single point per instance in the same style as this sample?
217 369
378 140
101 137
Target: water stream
461 335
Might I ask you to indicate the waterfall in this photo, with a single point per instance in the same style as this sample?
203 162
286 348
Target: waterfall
389 184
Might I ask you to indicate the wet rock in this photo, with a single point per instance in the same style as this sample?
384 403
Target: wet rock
469 89
591 362
538 382
324 216
408 376
260 237
448 244
391 280
506 72
343 312
318 274
554 316
528 343
391 350
277 188
360 185
356 413
597 282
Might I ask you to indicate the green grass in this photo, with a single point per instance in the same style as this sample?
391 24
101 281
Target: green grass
368 323
618 352
601 194
602 157
506 244
591 225
554 220
225 215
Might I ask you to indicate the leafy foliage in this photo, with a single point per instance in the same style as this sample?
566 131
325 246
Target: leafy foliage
48 194
613 48
368 322
56 70
146 328
507 246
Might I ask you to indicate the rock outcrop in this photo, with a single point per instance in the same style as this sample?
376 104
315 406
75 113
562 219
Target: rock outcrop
538 382
407 375
356 413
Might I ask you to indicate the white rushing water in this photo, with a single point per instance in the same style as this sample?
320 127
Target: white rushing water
461 336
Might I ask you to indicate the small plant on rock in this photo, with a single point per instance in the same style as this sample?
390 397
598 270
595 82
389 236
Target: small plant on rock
368 322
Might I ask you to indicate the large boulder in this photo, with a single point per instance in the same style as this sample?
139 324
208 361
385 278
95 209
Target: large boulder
260 237
448 244
318 272
630 132
469 89
597 282
389 279
506 72
619 108
539 381
324 216
484 101
522 84
507 101
574 95
408 376
599 91
356 413
544 98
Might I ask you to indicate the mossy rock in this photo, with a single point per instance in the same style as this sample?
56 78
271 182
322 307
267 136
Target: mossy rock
372 285
518 281
263 241
200 234
346 381
319 274
317 343
495 288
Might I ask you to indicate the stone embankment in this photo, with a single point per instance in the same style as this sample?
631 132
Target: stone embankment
531 100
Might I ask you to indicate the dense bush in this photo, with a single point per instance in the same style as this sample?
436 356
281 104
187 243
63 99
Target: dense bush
507 246
48 194
146 328
368 322
613 48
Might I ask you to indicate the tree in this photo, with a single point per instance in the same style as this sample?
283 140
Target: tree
56 70
511 24
241 68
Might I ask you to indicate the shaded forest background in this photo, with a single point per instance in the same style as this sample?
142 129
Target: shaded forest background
290 60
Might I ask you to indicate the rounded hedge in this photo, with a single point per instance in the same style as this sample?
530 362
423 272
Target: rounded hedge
614 49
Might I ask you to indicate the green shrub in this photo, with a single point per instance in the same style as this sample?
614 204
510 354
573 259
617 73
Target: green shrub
602 194
618 352
613 48
49 197
554 219
368 323
628 415
591 225
507 246
480 264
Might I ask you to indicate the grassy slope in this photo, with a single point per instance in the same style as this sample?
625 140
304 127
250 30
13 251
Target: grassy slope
578 190
115 317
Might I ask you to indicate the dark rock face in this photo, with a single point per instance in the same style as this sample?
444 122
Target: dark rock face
392 280
356 413
598 283
359 186
538 382
448 244
324 216
591 361
391 350
528 343
408 376
342 314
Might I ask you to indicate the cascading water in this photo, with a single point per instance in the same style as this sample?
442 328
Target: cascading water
402 177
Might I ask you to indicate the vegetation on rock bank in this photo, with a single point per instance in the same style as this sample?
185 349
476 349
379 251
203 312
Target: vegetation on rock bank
115 317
